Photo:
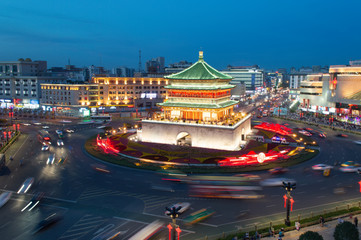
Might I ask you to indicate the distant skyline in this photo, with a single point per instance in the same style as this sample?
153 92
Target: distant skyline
272 34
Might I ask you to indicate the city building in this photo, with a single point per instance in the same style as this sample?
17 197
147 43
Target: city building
70 73
123 72
69 99
198 111
251 76
155 65
337 92
20 83
22 67
141 93
177 67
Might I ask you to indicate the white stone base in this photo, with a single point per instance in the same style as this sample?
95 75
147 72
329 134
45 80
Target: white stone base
202 135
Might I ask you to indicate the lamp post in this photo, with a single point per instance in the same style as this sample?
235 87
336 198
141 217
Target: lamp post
173 227
288 200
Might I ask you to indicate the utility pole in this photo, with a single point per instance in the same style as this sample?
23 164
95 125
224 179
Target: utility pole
288 200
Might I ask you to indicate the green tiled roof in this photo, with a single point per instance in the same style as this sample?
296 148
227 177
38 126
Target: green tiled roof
198 105
190 87
199 71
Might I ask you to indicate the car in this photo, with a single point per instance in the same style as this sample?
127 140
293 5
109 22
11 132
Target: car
45 147
51 159
321 167
277 170
47 222
35 200
45 127
26 185
305 133
357 142
184 206
198 216
69 130
350 164
350 169
58 132
342 135
276 182
100 168
322 135
37 124
60 142
248 177
26 124
4 198
61 160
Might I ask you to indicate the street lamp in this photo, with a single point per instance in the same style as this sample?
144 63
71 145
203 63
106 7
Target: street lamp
173 213
288 200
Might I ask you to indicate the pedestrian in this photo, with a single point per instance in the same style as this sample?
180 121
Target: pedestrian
298 226
355 220
339 220
322 221
271 231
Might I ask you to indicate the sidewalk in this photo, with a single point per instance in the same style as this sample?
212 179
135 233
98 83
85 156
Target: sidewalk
326 231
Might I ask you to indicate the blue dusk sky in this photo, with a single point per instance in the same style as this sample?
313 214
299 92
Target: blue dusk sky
270 33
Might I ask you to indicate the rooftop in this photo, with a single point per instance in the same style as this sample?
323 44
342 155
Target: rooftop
199 71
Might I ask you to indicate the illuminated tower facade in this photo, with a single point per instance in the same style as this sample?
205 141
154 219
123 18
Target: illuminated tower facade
199 93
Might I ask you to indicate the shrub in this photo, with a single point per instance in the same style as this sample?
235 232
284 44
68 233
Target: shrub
346 231
309 235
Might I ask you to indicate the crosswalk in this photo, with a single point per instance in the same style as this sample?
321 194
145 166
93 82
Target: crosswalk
82 227
151 202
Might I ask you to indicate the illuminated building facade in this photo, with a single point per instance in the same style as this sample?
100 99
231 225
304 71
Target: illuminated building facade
198 111
137 91
338 92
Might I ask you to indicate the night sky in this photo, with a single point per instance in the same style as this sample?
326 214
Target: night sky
270 33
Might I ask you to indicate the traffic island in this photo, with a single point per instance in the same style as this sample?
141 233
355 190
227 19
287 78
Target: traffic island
256 156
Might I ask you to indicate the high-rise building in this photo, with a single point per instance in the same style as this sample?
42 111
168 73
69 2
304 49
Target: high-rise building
251 76
177 67
155 65
123 72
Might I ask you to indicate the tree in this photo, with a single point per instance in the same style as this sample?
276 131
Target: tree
346 231
309 235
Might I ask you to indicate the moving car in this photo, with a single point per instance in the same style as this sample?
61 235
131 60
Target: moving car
184 206
321 167
322 135
276 182
45 127
69 130
100 168
350 163
45 148
305 133
342 135
47 222
60 142
26 185
350 169
357 142
51 159
278 170
248 177
58 132
4 198
198 216
33 202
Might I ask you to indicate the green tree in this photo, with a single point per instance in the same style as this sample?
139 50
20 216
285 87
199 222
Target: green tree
309 235
346 231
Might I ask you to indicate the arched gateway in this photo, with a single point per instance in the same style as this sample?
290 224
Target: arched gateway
184 139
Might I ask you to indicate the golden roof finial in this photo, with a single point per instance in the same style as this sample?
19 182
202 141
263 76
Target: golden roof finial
200 55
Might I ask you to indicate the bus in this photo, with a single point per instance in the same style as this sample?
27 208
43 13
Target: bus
148 231
102 117
44 137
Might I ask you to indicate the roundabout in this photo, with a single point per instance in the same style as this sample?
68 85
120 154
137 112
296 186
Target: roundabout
256 155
